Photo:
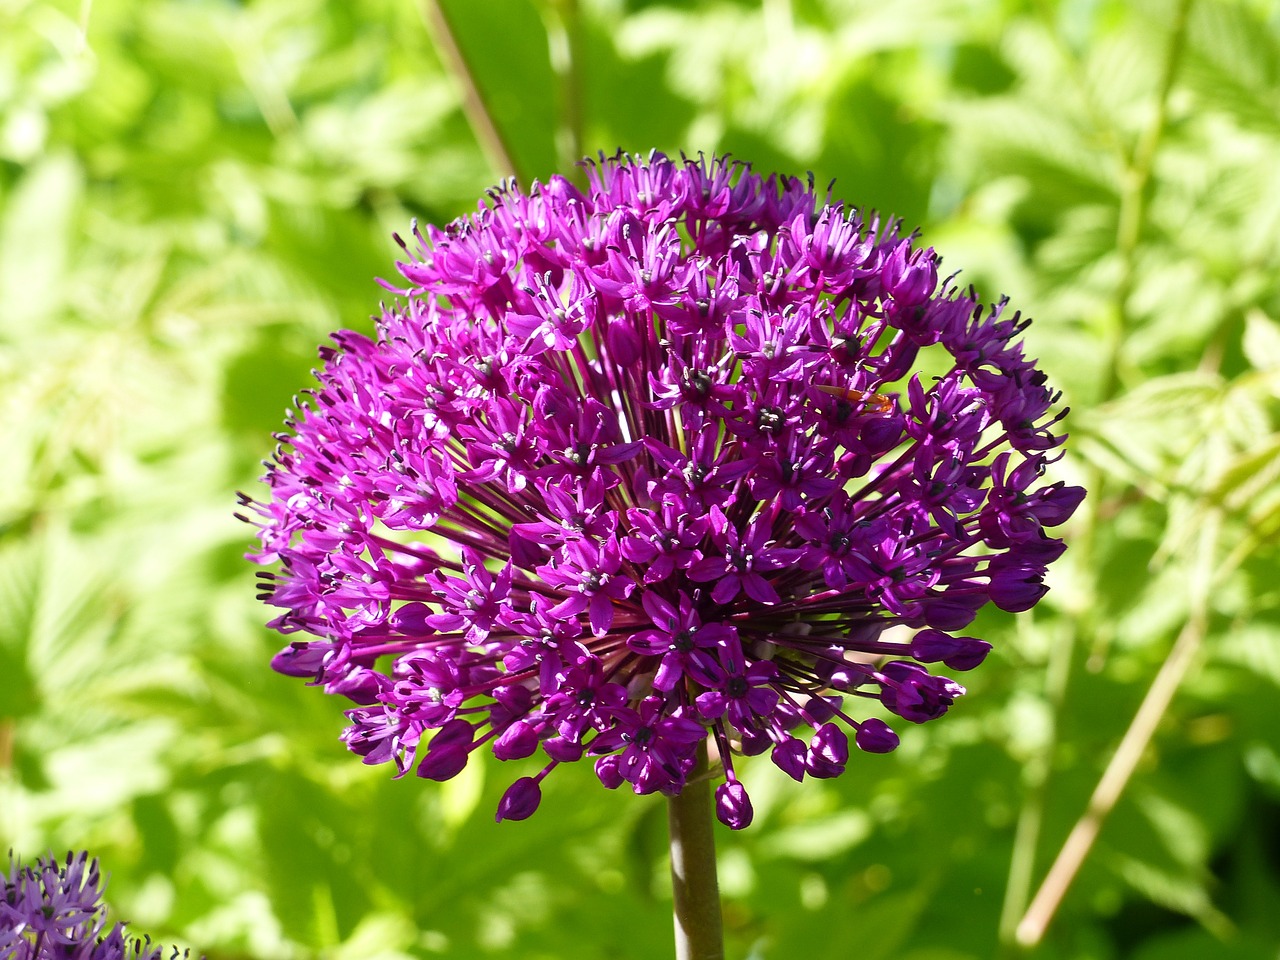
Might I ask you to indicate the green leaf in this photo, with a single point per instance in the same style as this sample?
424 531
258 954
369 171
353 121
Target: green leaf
19 593
35 244
1262 340
1233 63
1199 944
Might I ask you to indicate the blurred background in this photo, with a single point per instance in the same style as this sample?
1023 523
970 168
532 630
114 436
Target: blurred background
193 193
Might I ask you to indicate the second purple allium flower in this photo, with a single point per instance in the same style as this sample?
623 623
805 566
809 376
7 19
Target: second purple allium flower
53 910
631 466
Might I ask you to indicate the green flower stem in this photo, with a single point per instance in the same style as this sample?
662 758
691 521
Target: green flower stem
1020 926
1133 201
699 930
474 107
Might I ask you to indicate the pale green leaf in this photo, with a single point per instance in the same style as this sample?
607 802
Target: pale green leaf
1262 340
35 243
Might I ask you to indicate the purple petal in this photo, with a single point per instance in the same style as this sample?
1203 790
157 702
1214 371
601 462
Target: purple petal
711 704
669 673
733 806
876 736
600 614
758 589
301 659
520 800
562 749
662 613
958 653
789 758
445 762
727 588
609 771
652 643
515 743
708 568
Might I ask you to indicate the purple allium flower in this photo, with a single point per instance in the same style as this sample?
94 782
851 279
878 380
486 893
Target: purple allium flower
632 467
53 909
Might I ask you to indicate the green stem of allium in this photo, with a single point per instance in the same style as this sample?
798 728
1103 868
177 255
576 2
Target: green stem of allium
474 107
699 930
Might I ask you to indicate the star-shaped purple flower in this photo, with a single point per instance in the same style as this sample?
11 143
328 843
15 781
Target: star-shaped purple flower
651 462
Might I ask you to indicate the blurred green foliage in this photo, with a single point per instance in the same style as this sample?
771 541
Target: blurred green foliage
194 192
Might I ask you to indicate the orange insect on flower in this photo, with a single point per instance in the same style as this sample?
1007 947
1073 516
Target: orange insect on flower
877 402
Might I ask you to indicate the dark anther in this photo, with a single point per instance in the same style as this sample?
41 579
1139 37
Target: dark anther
697 382
579 455
769 419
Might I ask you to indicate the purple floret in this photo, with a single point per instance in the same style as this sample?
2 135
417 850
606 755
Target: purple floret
629 468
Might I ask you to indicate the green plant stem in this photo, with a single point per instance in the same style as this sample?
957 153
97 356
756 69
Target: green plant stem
1133 199
1031 818
6 744
1014 932
474 107
1031 928
698 927
1083 625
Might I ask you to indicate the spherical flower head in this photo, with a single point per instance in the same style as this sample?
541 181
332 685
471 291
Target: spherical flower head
629 468
53 909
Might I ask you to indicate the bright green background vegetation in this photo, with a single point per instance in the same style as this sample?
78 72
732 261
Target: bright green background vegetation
193 193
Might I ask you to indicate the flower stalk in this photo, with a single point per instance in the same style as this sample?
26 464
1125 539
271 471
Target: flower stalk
698 925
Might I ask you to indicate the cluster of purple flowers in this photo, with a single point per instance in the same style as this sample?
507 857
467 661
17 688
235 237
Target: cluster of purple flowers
635 466
54 909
